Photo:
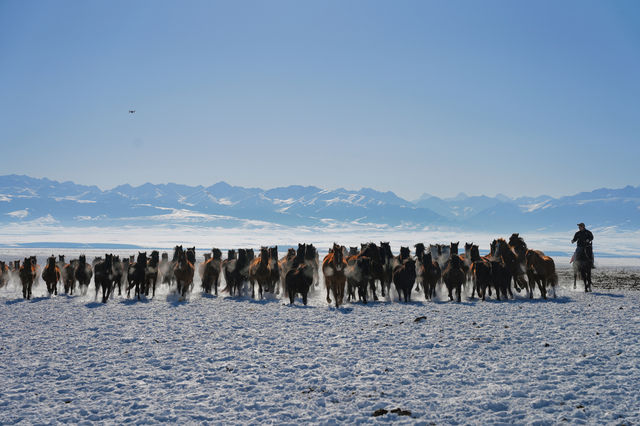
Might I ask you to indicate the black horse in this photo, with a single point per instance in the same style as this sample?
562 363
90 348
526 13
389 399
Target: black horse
582 267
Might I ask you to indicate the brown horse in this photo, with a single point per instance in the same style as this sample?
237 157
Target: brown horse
259 272
27 275
358 273
4 274
211 272
541 270
103 276
69 276
582 267
430 274
83 273
333 269
404 276
51 275
453 274
183 273
300 277
285 264
151 273
274 270
480 272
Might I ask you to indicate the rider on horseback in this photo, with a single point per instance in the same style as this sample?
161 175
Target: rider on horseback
584 237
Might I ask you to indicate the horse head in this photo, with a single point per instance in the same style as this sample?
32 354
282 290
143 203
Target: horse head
405 253
453 248
217 254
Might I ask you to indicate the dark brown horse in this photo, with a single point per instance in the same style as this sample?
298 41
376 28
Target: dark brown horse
83 272
27 275
274 270
151 273
582 267
4 274
300 277
358 273
212 271
480 272
136 275
453 274
69 276
103 276
51 275
541 270
379 261
259 272
285 264
183 272
333 269
430 274
404 276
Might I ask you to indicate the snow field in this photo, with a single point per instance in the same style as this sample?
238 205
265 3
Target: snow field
223 360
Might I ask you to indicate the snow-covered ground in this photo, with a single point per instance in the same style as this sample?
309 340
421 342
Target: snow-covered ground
224 360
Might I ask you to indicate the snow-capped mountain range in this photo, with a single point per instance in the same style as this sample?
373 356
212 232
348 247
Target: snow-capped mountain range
24 198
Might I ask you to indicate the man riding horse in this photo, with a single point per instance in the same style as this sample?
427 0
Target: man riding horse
584 237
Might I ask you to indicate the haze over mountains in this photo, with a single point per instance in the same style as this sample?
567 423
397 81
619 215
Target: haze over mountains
24 199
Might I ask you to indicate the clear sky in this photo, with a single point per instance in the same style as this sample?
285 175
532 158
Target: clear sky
513 97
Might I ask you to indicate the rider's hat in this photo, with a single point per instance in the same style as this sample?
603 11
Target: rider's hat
581 224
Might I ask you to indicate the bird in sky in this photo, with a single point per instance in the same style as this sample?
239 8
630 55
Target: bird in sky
132 111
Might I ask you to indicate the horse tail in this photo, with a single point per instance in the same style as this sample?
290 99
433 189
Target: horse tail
553 281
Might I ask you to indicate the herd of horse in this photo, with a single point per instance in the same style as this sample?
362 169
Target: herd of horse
365 270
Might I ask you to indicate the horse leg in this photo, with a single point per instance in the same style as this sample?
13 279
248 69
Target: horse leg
372 286
542 286
329 286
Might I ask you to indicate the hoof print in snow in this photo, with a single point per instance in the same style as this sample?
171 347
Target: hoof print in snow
398 411
420 319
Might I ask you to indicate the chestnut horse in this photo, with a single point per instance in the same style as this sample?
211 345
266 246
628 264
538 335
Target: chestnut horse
51 275
541 270
333 269
259 272
274 270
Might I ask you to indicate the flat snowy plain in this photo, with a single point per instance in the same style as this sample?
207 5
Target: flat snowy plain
223 360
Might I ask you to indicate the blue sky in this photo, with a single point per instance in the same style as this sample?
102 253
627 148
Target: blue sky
520 98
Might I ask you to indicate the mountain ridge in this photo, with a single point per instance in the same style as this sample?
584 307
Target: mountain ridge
23 198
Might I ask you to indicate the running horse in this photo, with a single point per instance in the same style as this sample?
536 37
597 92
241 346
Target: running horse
582 268
183 272
51 275
27 275
333 269
259 272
